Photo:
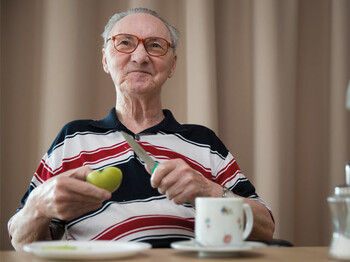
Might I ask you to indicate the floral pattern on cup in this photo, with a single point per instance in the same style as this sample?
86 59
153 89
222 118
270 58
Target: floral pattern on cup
226 211
239 222
207 222
227 239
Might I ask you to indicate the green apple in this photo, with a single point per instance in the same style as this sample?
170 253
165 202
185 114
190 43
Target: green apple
109 178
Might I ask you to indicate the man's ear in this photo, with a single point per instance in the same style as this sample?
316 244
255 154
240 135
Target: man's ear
104 61
172 70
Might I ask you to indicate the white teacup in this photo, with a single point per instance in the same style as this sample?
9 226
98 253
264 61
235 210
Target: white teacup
220 221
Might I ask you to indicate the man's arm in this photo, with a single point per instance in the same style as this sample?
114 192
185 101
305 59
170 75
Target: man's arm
180 183
28 226
65 196
264 225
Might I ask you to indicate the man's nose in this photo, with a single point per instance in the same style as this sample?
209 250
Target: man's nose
140 54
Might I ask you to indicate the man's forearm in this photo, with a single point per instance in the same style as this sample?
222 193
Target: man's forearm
264 226
28 226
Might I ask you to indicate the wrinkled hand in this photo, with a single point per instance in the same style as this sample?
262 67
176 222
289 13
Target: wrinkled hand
67 195
181 183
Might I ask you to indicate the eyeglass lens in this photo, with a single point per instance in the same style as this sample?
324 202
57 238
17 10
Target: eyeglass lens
153 45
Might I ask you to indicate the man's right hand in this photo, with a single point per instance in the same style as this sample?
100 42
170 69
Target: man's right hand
64 196
67 196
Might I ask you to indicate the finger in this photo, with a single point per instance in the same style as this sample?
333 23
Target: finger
79 173
168 183
173 192
160 172
180 199
80 204
87 190
185 196
72 211
179 192
70 204
80 189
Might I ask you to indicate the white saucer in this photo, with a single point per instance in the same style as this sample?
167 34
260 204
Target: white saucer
213 251
85 249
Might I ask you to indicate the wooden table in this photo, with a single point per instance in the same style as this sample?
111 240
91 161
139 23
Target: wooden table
268 254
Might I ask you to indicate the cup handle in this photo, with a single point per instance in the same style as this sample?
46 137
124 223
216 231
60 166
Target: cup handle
249 221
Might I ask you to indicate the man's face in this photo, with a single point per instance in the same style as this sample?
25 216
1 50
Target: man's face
138 72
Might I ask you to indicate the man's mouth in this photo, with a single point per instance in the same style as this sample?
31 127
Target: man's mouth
140 72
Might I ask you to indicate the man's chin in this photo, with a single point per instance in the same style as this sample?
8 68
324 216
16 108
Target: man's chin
140 86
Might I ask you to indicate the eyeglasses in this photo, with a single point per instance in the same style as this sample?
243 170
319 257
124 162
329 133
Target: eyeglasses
155 46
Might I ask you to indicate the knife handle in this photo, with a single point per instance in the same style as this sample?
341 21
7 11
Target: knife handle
154 167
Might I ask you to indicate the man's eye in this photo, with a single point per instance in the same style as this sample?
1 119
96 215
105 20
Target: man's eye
124 43
156 45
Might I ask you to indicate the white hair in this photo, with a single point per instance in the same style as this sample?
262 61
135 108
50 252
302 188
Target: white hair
174 33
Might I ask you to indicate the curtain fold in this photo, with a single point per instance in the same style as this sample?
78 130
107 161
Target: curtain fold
339 78
268 76
274 51
201 63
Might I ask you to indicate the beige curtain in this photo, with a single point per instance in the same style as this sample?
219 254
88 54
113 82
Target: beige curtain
269 76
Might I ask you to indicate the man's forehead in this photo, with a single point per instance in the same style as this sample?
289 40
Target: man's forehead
141 23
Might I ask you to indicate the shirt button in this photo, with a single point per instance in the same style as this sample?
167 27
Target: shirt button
137 137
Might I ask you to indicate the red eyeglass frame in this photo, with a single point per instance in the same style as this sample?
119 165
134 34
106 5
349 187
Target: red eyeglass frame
143 42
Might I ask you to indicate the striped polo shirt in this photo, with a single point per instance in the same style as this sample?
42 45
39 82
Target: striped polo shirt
136 211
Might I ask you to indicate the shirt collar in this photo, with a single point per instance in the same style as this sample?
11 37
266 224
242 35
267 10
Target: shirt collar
169 123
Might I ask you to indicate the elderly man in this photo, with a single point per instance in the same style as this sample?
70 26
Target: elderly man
140 55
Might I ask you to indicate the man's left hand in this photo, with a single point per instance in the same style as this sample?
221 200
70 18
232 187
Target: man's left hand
181 183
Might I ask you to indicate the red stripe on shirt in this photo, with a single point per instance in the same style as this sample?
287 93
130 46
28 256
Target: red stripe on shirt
170 154
144 223
230 169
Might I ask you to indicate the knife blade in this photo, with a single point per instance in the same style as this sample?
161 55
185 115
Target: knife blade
140 152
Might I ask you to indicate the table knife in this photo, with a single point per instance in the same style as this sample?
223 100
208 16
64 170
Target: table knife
140 152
